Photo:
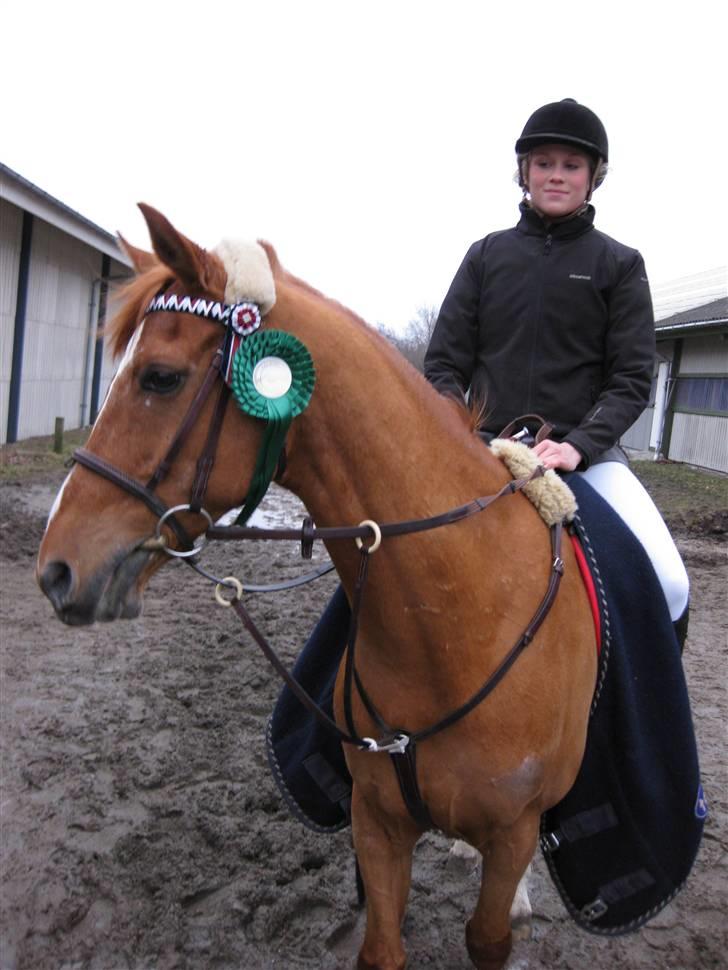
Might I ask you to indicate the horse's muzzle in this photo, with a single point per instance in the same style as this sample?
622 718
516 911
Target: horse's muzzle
110 595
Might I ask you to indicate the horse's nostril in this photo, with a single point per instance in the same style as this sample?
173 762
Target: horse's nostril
56 581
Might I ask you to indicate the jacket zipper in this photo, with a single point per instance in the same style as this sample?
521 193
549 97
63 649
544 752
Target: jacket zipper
537 328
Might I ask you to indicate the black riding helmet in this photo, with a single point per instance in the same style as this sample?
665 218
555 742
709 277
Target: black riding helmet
566 123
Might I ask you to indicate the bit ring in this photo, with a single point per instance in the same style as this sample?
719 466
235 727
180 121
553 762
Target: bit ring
183 553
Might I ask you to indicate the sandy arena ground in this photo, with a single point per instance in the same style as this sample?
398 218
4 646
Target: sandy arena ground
142 830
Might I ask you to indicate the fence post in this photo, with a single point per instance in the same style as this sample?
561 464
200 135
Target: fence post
58 437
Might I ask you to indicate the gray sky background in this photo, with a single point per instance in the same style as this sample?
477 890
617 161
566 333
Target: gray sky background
371 143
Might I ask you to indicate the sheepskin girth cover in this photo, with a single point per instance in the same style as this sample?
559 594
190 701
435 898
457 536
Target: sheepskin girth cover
552 497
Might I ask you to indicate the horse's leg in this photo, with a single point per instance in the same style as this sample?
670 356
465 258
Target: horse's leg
521 915
506 860
464 858
384 852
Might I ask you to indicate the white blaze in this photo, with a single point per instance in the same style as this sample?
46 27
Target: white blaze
124 362
57 500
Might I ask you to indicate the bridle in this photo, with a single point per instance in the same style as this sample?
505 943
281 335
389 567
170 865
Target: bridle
146 493
399 743
240 321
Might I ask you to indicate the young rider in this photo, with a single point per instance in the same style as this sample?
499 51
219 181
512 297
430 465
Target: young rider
555 318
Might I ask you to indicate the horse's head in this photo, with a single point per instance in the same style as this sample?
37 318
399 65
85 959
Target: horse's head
176 321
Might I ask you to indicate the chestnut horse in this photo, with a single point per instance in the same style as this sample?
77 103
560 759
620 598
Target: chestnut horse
441 609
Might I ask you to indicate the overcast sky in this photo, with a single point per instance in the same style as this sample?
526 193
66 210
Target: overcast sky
371 143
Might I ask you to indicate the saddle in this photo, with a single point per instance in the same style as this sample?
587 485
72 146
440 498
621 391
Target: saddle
622 842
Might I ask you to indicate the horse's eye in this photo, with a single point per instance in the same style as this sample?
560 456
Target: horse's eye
160 381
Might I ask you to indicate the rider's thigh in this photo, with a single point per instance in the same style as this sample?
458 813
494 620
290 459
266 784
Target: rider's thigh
626 495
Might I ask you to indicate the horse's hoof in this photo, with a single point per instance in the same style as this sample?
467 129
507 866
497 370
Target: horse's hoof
521 929
488 956
462 859
363 964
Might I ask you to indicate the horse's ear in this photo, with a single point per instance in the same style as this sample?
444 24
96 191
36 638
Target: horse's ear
186 260
140 258
272 255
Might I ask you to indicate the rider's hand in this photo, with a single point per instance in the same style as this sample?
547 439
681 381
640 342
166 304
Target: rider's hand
554 455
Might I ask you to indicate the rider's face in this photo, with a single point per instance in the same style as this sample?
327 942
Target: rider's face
558 179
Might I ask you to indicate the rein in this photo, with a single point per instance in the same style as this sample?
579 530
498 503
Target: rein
394 741
240 322
400 744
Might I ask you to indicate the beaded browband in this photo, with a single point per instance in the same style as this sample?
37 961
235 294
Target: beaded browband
244 318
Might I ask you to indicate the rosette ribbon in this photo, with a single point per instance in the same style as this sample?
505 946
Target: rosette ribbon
272 379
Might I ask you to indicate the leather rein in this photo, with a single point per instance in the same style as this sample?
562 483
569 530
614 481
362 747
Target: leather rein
399 743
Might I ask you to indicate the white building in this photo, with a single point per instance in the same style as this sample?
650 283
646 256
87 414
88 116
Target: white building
687 419
55 271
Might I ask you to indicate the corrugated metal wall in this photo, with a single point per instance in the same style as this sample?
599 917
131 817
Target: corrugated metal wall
11 222
700 439
62 272
61 322
705 355
638 436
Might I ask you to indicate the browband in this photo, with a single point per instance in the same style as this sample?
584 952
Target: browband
244 318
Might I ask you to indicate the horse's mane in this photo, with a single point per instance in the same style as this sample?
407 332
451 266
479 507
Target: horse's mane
471 414
129 302
131 299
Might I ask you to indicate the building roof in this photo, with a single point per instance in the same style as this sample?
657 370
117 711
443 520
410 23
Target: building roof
708 318
28 197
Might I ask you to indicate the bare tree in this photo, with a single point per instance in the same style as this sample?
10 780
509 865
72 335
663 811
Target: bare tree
418 334
416 338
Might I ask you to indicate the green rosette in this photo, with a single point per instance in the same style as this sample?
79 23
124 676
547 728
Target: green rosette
272 379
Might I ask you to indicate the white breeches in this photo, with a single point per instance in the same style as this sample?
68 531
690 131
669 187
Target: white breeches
624 492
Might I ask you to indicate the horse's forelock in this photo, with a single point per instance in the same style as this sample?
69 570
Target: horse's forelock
130 302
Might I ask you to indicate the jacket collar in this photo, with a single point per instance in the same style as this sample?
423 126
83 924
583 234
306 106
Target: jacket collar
532 224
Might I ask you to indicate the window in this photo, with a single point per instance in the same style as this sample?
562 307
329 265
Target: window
702 394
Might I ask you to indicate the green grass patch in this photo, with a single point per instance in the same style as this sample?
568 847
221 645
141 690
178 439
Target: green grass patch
679 491
35 457
677 488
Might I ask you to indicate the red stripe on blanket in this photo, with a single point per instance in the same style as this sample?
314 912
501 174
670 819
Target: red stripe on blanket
589 586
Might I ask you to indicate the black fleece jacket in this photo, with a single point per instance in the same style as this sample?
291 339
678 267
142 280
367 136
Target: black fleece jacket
553 319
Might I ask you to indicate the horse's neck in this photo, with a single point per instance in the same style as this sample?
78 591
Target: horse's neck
377 442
